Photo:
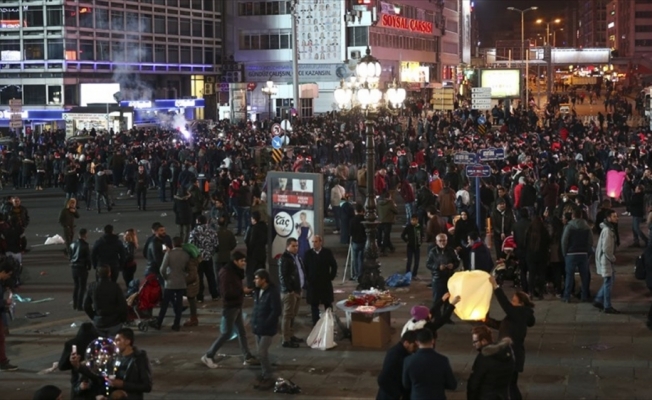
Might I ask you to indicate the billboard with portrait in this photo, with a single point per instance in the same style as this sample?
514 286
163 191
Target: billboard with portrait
295 205
414 73
504 83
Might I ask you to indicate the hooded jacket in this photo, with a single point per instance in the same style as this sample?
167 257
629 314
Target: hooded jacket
492 372
387 211
577 238
604 250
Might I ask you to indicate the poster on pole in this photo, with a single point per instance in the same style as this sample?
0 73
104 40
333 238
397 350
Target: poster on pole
295 203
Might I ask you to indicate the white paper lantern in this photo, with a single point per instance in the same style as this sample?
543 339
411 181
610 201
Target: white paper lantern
475 293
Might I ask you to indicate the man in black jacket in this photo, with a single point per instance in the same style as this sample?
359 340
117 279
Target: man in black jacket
292 280
80 263
109 250
390 386
426 373
105 303
153 249
102 188
493 366
321 269
442 262
133 374
231 277
358 240
256 241
142 180
264 323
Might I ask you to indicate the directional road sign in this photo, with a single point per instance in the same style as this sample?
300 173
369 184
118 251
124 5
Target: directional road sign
491 154
465 158
478 171
277 142
276 129
480 98
481 90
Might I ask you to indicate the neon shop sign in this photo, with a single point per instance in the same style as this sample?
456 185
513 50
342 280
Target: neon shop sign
13 10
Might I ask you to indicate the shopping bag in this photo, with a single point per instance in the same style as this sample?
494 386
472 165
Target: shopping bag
322 335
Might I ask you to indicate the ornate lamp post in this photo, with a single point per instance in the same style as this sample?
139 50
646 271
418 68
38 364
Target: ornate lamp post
270 89
362 92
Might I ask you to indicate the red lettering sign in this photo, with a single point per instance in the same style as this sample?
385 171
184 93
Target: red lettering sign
412 25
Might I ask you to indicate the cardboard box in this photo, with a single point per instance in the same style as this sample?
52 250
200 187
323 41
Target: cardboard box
371 330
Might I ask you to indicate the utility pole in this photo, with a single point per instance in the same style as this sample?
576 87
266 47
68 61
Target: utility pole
295 58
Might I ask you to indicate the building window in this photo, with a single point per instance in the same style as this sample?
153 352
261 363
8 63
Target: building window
34 94
102 50
173 3
358 36
197 28
132 22
71 96
208 29
209 57
11 92
101 18
159 53
55 16
643 43
146 24
173 54
643 28
306 107
86 50
71 16
85 17
10 50
250 8
34 49
173 26
117 51
159 24
185 27
643 14
33 17
197 55
185 55
265 41
117 20
54 95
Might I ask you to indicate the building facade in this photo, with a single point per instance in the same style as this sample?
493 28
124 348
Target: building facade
54 53
592 23
629 27
416 42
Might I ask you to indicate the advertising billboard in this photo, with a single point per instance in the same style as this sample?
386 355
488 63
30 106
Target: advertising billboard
295 204
414 73
504 83
98 93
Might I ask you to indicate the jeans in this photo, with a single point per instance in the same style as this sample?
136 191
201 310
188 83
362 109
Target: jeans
79 277
409 210
231 319
141 198
184 232
412 253
581 263
206 268
161 190
636 229
3 354
262 344
174 296
243 218
357 257
439 288
384 239
102 196
604 294
314 309
290 309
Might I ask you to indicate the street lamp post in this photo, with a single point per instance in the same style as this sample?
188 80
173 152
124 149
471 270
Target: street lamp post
549 54
362 92
527 64
270 90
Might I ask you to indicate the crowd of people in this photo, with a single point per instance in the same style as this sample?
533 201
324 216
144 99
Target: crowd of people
542 209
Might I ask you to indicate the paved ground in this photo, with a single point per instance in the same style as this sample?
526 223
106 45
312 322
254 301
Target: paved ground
573 352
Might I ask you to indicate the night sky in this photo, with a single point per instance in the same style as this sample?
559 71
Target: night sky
493 15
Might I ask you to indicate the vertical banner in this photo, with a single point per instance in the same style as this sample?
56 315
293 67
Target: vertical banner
320 31
295 202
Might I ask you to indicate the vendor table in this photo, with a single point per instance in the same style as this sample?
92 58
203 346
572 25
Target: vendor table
371 330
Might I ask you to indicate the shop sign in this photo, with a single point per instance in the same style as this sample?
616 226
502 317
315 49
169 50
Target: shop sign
279 72
412 25
184 103
139 104
6 114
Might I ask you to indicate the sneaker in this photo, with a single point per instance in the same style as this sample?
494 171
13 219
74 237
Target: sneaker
598 305
208 362
8 367
251 361
611 310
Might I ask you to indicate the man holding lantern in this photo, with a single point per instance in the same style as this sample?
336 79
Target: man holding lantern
442 262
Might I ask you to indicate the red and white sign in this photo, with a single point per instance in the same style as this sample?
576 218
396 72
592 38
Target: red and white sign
292 200
251 86
276 129
407 24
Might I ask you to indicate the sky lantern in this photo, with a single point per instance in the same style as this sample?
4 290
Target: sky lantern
615 180
475 292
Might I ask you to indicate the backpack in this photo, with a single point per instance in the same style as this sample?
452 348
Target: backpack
639 268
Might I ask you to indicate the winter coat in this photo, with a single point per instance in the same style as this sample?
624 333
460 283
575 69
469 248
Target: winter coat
80 255
67 218
502 222
173 269
447 202
137 376
226 243
462 230
577 238
480 257
604 251
256 241
109 250
105 304
492 372
266 312
387 211
428 374
520 230
289 278
636 205
230 281
85 336
182 210
358 233
321 269
514 326
412 236
437 257
390 386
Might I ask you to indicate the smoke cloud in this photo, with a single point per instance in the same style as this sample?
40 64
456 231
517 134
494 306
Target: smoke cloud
132 87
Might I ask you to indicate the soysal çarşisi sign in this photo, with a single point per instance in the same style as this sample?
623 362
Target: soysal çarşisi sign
412 25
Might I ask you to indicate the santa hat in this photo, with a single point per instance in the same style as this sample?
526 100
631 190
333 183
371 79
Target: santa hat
414 165
435 172
573 189
450 228
506 169
509 243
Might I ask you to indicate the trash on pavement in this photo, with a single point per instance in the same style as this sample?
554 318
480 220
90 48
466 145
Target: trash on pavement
338 291
54 367
56 239
286 386
164 214
597 347
43 300
21 299
43 273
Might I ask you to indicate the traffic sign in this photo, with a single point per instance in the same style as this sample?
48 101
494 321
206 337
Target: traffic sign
465 158
481 102
16 105
277 142
481 96
277 156
276 129
491 154
478 171
481 90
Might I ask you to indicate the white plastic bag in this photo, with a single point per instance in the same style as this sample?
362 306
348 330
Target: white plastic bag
56 239
322 336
